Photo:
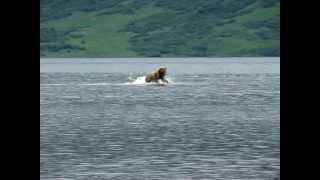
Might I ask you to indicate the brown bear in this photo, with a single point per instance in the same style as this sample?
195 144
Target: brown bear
157 75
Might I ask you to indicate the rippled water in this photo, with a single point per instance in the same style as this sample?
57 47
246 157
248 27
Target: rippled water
215 120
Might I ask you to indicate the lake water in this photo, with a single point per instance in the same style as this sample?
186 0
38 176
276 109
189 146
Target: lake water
218 118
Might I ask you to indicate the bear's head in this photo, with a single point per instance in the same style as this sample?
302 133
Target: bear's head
162 72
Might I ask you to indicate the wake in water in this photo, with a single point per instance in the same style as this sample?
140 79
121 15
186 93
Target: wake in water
81 84
138 81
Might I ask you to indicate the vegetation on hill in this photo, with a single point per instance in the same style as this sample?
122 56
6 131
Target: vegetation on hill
159 28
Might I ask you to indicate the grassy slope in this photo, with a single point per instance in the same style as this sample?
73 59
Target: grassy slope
100 33
242 38
101 36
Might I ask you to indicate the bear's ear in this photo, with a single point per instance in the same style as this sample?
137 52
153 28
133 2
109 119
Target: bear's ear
163 69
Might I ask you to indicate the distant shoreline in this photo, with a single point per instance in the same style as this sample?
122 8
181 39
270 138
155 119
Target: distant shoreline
258 57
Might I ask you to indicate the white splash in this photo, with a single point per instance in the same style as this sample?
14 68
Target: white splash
141 81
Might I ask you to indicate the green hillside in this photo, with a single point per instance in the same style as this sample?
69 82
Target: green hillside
159 28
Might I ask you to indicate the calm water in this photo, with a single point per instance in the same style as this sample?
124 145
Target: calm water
217 119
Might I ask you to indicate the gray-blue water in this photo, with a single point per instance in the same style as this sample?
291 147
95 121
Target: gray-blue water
217 119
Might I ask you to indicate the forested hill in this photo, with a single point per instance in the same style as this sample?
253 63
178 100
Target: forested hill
159 28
